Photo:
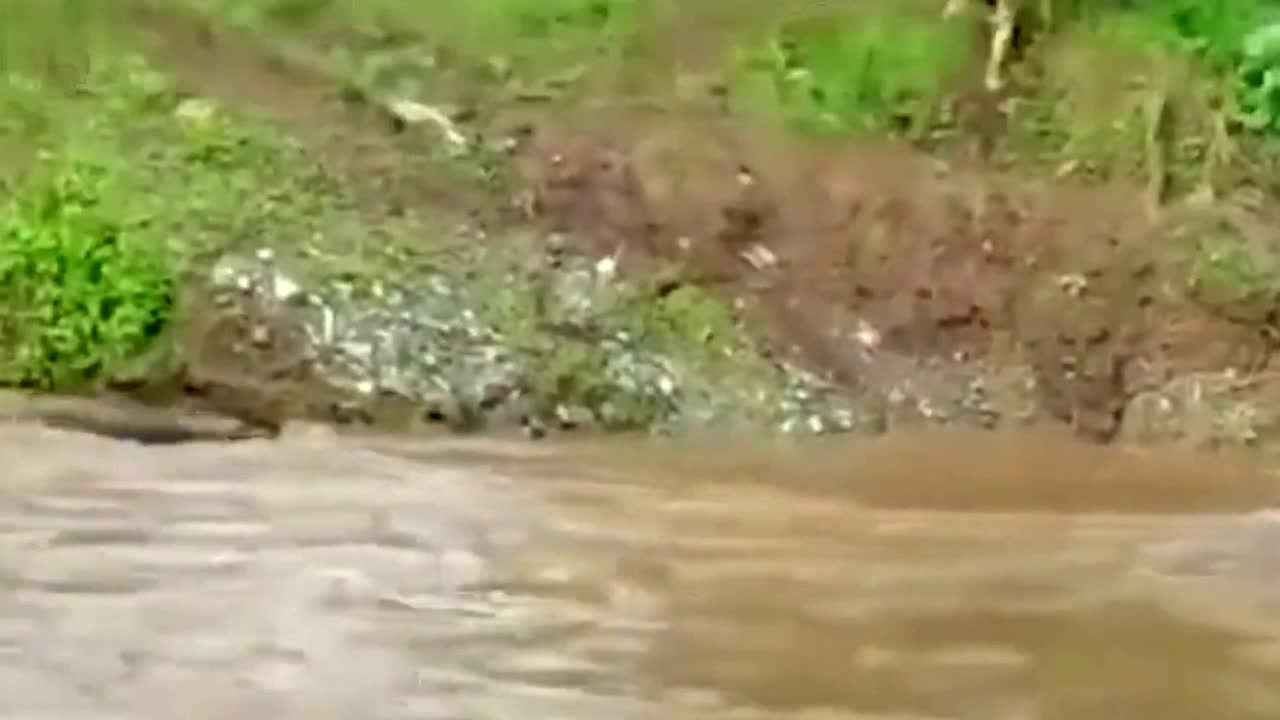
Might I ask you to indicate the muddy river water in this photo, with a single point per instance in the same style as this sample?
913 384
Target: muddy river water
966 577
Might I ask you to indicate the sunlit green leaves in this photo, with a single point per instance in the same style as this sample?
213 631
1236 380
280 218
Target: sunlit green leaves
81 290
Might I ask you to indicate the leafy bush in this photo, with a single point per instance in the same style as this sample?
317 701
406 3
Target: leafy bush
1212 30
81 289
1258 80
1238 41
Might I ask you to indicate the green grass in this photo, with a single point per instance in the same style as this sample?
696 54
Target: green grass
882 69
882 66
1108 88
84 285
493 47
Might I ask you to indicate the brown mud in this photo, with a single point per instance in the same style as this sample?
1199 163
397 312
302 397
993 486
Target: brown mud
878 262
877 266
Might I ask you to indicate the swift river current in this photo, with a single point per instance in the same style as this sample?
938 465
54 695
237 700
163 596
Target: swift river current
932 577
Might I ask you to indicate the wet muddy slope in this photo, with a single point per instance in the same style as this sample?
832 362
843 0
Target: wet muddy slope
933 293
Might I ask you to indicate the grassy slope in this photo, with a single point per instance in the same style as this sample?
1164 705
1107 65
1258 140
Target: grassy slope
1091 92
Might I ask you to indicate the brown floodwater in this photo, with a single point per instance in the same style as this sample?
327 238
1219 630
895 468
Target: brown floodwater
965 576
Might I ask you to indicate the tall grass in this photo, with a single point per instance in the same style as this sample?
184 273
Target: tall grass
880 68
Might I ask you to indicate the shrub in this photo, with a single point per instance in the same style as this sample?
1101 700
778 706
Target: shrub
81 288
1258 80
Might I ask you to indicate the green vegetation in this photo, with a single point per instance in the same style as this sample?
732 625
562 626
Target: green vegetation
1153 95
1178 94
117 192
118 199
883 69
83 288
1258 78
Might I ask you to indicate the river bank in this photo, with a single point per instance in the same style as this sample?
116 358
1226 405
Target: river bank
352 220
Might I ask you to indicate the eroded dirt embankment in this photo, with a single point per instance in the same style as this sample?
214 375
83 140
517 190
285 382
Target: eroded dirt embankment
931 292
952 292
